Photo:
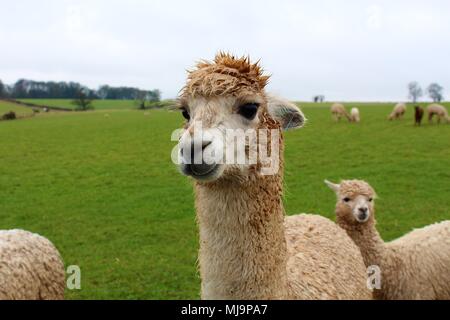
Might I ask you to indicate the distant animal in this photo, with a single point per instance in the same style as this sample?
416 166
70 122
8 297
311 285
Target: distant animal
398 112
419 115
439 111
354 115
338 111
9 116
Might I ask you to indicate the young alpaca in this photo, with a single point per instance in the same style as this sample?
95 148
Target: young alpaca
398 112
338 111
30 267
415 266
248 248
354 115
439 111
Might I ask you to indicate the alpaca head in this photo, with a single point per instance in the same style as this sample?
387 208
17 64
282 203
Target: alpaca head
355 201
229 119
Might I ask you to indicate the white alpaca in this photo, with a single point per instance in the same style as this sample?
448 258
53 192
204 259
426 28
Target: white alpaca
249 249
398 112
415 266
439 111
30 267
338 111
354 115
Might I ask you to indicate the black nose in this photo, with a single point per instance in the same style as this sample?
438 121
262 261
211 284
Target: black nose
193 151
363 210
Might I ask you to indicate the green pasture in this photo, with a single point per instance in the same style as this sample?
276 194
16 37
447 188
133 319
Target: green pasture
102 187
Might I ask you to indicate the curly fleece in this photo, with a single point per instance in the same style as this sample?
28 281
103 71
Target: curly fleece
30 267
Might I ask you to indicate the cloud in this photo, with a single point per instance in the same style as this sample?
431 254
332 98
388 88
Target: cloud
352 50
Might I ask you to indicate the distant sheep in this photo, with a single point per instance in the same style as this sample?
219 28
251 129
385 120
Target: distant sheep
439 111
30 267
398 112
338 111
419 115
354 115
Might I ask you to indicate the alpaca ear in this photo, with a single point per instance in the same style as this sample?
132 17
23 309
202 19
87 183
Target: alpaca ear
285 112
333 186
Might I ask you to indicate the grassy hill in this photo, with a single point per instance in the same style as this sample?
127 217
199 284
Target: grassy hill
104 190
98 104
20 111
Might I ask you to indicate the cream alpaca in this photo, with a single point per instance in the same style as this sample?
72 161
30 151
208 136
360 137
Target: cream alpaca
30 267
439 111
415 266
248 248
354 115
338 111
398 112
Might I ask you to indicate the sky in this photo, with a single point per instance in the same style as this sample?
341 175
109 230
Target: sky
353 50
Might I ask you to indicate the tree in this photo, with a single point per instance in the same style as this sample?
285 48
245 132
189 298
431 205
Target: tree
83 102
319 98
435 91
140 99
2 89
415 91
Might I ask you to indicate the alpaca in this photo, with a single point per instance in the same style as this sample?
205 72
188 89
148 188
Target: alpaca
415 266
30 267
418 115
354 115
338 111
439 111
248 248
398 112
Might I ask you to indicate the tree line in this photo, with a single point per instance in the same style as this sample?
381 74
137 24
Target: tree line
29 89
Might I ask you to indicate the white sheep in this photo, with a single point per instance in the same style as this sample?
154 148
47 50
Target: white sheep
439 111
398 112
338 111
30 267
415 266
354 115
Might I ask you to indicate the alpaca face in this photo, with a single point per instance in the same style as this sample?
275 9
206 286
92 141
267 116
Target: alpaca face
232 126
355 200
226 136
360 207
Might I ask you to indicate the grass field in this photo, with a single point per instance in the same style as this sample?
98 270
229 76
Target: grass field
97 104
104 190
20 111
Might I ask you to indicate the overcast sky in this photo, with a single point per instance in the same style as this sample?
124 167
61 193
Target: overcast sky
347 50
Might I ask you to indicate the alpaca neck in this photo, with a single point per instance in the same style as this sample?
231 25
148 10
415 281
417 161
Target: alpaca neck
242 239
369 241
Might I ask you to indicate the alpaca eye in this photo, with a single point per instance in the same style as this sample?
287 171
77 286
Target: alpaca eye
185 114
370 199
346 199
249 110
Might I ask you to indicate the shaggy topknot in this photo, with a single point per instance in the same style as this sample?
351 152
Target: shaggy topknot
353 188
226 75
